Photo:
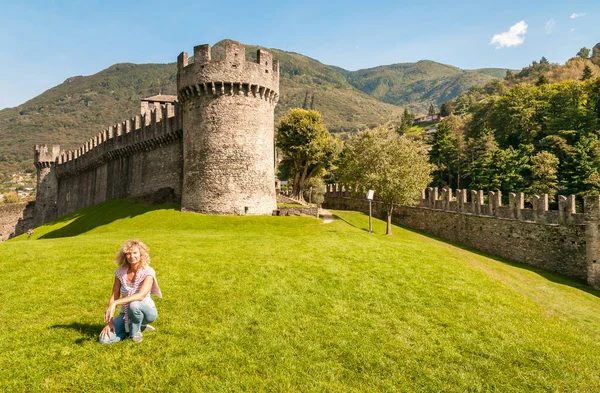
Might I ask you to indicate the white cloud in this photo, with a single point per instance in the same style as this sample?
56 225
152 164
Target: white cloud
550 26
515 36
576 15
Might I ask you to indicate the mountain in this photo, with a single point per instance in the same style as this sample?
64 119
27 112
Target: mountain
417 85
495 72
82 106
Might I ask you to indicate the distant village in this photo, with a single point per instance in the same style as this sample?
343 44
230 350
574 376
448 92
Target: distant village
19 187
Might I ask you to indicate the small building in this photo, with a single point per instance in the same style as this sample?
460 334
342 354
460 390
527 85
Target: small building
157 101
428 119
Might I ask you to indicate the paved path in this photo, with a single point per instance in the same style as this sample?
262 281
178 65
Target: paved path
327 216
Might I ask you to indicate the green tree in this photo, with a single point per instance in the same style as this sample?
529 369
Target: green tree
307 147
431 111
314 191
587 73
446 109
544 167
463 103
542 80
406 122
514 117
502 169
595 57
581 167
448 152
510 76
395 167
584 53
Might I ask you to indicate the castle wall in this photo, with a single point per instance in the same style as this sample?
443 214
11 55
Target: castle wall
133 159
228 117
222 164
15 219
559 248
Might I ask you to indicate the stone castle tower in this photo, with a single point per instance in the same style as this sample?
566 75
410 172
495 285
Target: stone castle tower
228 139
47 183
211 147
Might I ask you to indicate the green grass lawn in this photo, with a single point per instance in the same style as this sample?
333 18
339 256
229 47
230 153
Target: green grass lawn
288 304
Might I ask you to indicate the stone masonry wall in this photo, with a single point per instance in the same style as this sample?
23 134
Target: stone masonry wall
559 248
222 164
307 211
134 158
228 116
15 219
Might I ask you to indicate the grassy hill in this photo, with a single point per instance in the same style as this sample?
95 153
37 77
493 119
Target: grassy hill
82 106
290 305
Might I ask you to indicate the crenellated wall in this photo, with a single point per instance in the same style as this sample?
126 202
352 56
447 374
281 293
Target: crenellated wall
213 149
561 241
131 159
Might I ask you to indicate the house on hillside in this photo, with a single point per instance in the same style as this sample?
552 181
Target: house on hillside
428 119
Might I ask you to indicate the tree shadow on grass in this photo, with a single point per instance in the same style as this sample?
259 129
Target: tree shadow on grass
99 215
352 224
87 330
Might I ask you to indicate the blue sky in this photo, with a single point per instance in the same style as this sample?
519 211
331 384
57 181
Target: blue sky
42 43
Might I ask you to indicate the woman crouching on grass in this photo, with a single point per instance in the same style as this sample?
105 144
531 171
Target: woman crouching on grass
134 282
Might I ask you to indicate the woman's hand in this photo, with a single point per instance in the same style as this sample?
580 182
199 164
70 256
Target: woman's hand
105 333
110 311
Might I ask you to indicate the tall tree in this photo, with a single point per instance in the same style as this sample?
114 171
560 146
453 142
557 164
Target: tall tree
406 122
431 111
308 148
446 109
542 80
584 53
448 152
587 73
582 167
544 166
395 167
505 170
595 57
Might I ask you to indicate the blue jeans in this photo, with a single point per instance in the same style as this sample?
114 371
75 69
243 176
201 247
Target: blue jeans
139 313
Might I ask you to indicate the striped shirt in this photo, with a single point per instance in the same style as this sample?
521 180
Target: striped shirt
129 288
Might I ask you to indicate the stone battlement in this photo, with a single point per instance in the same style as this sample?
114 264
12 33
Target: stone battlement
45 155
231 76
143 132
474 202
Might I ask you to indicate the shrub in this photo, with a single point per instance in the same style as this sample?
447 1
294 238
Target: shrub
11 197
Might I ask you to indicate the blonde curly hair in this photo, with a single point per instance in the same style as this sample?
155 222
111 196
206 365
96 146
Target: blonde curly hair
121 258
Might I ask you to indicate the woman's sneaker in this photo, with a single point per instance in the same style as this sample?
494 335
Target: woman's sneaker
137 339
148 328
